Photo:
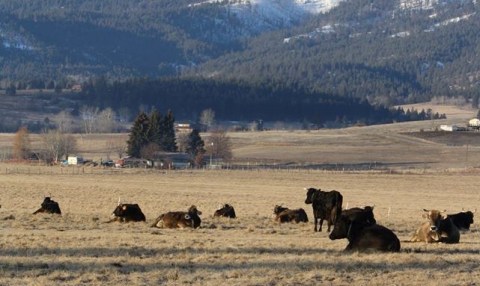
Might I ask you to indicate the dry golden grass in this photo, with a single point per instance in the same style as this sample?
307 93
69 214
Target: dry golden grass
79 248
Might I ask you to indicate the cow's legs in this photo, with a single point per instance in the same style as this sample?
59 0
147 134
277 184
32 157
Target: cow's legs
321 223
315 223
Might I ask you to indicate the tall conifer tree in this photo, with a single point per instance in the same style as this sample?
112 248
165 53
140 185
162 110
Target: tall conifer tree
138 137
168 131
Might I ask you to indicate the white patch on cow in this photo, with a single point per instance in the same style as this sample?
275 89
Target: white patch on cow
187 216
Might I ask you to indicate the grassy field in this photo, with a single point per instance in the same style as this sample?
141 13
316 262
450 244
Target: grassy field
79 248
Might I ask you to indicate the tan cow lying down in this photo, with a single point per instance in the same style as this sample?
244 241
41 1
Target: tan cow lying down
438 228
179 219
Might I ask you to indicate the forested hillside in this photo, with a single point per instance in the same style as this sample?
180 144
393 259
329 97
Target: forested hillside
243 101
369 49
362 56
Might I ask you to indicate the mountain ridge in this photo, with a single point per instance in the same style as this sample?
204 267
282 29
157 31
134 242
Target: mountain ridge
385 52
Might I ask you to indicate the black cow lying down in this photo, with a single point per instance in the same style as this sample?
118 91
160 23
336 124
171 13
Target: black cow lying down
283 214
127 213
364 236
49 206
360 214
179 219
225 211
462 220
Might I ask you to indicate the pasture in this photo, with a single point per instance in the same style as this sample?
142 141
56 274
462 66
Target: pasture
79 248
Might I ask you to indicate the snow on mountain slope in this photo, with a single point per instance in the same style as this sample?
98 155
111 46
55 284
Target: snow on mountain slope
264 14
278 7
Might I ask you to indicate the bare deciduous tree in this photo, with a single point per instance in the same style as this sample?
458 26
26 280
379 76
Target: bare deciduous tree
117 146
149 151
64 121
21 144
207 117
58 145
89 115
106 121
219 145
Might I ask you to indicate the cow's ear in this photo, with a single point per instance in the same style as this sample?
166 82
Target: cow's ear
443 214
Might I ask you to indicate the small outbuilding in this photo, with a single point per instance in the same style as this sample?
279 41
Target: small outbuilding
74 160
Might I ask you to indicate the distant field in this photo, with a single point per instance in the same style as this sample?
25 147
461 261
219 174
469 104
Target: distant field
78 248
390 146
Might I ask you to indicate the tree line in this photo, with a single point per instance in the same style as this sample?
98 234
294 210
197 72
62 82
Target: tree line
236 100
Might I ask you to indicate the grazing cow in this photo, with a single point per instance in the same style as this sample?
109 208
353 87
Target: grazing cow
326 206
462 220
49 206
127 213
364 235
283 214
438 228
225 211
179 219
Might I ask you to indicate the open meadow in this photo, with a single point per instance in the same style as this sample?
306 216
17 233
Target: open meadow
79 248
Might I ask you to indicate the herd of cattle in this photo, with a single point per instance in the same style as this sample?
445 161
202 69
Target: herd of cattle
357 225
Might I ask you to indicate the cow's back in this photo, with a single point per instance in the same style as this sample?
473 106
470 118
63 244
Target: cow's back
374 237
175 220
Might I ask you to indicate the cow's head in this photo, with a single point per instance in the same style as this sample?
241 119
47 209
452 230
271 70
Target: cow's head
469 217
278 209
341 228
120 210
310 195
434 217
193 211
224 207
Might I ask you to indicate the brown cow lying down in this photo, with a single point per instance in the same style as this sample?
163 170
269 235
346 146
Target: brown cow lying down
363 235
438 228
283 214
179 219
225 211
49 206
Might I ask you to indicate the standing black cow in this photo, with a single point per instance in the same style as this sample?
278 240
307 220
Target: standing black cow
462 220
225 211
49 206
363 235
127 213
326 206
